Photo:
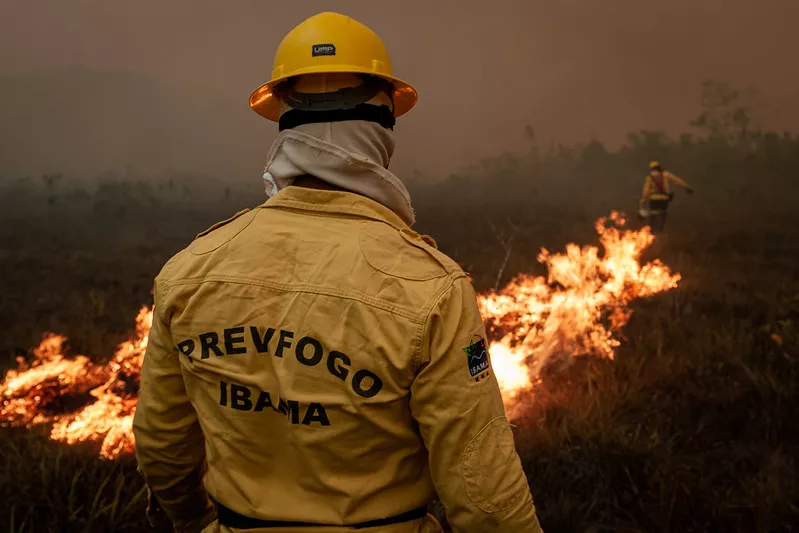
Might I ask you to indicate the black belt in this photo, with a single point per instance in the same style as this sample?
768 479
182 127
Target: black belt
229 518
659 204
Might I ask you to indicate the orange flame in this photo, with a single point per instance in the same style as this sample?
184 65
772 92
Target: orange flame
577 310
41 392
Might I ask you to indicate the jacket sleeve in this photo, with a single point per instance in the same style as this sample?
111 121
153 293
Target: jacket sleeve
170 447
647 190
677 180
473 461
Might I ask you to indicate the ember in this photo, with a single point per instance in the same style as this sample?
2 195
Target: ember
578 309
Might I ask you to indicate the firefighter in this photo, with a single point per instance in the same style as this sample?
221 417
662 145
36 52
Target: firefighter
655 199
314 364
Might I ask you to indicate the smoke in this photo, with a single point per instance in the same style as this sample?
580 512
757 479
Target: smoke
166 84
80 121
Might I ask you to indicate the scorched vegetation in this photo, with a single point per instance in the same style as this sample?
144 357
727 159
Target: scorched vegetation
689 427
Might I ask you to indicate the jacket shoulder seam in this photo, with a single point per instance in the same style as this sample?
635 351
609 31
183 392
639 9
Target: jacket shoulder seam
440 271
353 212
399 310
428 310
221 223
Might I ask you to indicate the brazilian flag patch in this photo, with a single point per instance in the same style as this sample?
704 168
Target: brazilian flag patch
477 358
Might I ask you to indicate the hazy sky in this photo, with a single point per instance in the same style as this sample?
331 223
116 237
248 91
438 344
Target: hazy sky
572 69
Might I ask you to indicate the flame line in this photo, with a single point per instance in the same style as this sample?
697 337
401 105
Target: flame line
578 309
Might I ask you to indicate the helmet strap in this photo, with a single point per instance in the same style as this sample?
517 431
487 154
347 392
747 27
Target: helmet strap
344 98
381 114
347 103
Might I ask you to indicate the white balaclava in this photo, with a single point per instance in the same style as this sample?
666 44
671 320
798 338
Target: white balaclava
353 155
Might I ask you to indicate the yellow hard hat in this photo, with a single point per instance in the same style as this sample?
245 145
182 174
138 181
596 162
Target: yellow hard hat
655 165
330 43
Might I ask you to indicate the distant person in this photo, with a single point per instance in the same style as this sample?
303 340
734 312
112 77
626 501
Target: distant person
314 361
655 199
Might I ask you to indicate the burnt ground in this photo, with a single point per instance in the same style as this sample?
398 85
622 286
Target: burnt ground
690 428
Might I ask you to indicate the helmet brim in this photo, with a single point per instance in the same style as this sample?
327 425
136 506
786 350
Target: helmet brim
264 101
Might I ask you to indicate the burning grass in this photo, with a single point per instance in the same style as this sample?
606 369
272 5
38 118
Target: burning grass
577 310
42 392
688 428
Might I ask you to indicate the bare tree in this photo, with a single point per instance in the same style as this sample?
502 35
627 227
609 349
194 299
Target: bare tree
506 240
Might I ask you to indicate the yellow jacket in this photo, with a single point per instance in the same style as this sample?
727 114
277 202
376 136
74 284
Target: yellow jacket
653 192
326 363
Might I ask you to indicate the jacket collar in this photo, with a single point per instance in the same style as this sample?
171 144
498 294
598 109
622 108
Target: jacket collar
334 202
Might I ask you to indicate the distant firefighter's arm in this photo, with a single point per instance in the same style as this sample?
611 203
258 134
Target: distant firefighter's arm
456 401
678 181
170 447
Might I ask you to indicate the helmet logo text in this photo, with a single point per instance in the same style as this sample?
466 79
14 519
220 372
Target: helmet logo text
323 50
